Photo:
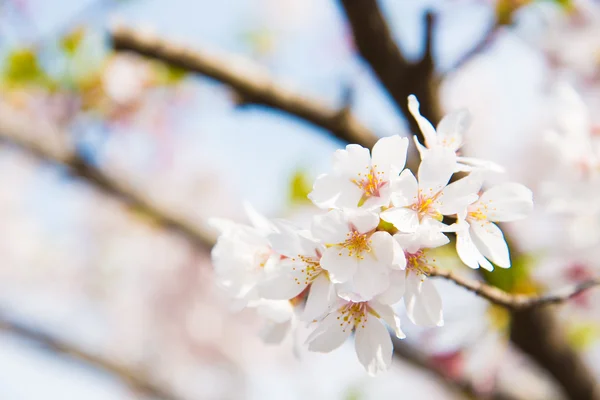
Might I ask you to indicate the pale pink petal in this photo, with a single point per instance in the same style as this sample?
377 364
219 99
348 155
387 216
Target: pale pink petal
426 128
388 315
451 128
331 191
369 282
405 189
382 249
362 221
422 301
490 242
319 299
395 290
389 155
330 228
507 202
329 334
403 219
373 346
437 166
468 253
350 162
284 281
340 265
458 195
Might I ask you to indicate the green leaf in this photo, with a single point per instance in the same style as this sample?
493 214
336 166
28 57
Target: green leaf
300 187
22 67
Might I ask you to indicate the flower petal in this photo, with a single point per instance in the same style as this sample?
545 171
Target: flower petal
362 221
490 242
403 219
331 191
388 315
274 333
451 128
284 281
389 155
340 265
395 290
329 334
458 195
405 189
437 166
507 202
426 128
353 160
422 301
373 346
330 228
319 299
467 251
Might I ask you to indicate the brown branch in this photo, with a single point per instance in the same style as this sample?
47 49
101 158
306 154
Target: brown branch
537 333
515 302
137 380
400 77
50 145
252 85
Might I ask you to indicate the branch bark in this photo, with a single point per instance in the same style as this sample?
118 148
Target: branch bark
400 77
135 379
251 83
515 302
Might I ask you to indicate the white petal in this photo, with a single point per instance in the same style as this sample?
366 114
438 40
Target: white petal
437 166
278 311
382 248
403 219
458 195
467 251
428 130
319 299
332 191
399 261
258 220
352 161
405 189
330 228
451 128
362 221
369 282
422 301
389 154
284 281
373 346
329 334
340 265
396 288
490 242
476 163
507 202
388 315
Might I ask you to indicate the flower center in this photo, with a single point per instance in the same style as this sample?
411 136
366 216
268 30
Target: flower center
370 184
311 269
357 243
353 315
418 262
424 207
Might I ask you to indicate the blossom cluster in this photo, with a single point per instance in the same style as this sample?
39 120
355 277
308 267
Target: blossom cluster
371 247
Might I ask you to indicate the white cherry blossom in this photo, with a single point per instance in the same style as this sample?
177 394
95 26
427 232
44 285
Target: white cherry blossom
478 238
241 254
430 198
297 270
356 254
421 299
372 341
359 180
449 135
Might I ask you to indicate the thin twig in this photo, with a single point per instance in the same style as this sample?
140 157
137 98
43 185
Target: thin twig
137 380
515 302
251 83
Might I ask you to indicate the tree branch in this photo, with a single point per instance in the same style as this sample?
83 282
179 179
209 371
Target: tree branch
250 82
515 302
135 379
400 77
45 142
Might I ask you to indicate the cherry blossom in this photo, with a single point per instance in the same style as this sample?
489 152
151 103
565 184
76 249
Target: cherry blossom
359 180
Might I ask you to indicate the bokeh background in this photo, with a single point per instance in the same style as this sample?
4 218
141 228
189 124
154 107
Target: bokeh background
103 298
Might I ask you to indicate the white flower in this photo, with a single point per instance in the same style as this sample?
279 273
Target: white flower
478 238
298 269
278 317
429 199
421 299
356 254
372 341
241 254
357 179
449 135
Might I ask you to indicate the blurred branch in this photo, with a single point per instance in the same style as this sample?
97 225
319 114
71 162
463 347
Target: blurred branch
537 333
515 302
252 85
51 145
400 77
135 379
420 360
